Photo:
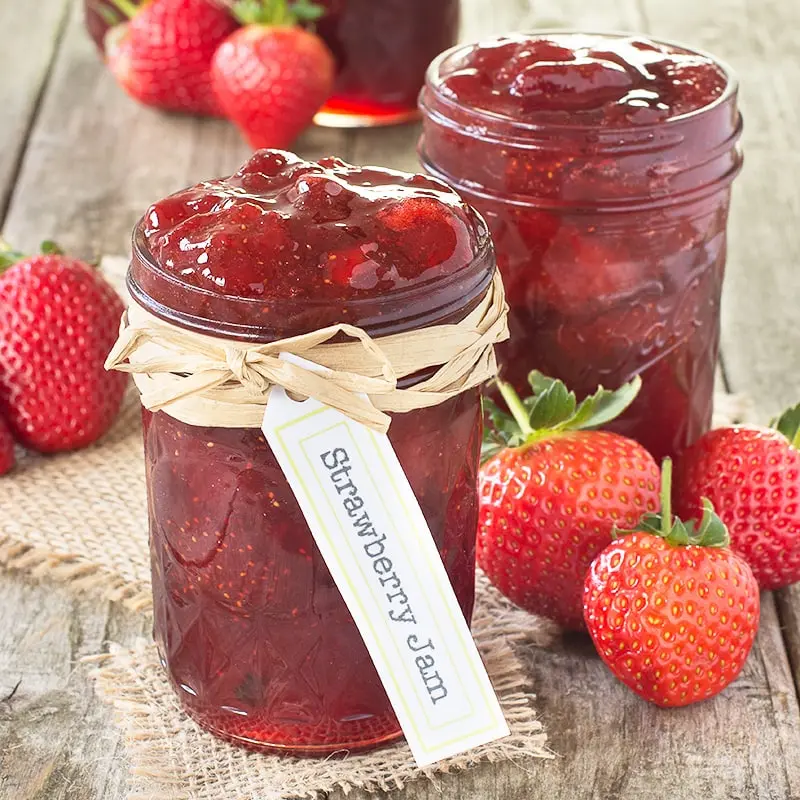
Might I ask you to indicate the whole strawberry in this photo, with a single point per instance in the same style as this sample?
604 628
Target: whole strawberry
552 491
271 77
672 611
752 475
58 321
7 457
162 55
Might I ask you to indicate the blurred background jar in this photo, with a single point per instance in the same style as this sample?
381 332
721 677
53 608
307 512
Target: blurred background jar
382 49
608 207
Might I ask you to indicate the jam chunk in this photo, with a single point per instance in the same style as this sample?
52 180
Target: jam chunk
284 227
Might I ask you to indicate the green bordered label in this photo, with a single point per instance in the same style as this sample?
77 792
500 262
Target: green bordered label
374 538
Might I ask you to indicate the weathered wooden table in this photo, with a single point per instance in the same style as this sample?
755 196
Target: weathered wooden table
79 161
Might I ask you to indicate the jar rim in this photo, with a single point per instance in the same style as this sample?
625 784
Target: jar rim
476 275
433 75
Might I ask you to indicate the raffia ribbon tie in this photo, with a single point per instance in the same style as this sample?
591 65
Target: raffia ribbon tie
211 381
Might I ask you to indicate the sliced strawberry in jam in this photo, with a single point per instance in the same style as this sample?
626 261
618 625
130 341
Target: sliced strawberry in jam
425 232
586 272
355 267
530 53
563 86
322 198
233 253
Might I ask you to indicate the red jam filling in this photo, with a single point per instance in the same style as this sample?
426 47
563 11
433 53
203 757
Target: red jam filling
283 228
582 79
607 200
252 630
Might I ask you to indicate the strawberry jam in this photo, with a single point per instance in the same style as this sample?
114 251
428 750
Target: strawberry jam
602 164
251 628
382 49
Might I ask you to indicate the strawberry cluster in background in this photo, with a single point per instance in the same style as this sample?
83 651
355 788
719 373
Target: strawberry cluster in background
576 524
248 60
58 320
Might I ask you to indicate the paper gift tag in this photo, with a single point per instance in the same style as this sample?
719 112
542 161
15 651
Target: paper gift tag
377 545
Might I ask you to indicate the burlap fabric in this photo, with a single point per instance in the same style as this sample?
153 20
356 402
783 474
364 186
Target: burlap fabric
81 518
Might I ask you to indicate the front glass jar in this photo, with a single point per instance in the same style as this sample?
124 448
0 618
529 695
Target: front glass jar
602 164
382 49
255 637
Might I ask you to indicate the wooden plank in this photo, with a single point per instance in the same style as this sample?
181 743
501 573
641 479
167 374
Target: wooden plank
56 737
760 334
30 37
96 159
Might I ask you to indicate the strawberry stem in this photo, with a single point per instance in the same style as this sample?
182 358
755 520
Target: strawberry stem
708 531
128 8
515 406
666 497
276 12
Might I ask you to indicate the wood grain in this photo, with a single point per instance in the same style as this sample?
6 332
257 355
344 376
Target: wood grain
56 737
94 161
30 35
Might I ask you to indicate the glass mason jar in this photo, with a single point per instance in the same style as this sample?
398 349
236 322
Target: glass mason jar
611 242
382 49
256 638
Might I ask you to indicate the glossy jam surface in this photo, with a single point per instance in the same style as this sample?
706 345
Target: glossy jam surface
602 165
579 79
317 234
382 49
256 638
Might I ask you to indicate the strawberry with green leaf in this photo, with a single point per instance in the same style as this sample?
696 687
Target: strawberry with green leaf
58 321
552 488
161 55
672 610
752 476
271 76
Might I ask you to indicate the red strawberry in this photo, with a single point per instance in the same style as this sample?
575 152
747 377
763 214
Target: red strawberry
7 458
270 77
162 56
672 611
752 475
58 321
553 490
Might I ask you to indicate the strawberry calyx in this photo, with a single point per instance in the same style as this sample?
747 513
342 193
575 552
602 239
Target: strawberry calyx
127 8
276 12
708 531
551 409
9 256
788 424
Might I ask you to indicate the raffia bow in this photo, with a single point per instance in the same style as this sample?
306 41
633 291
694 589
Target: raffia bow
210 381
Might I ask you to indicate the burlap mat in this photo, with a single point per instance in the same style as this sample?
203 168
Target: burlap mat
172 759
81 518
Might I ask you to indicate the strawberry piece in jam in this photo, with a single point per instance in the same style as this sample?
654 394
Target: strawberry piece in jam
283 227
